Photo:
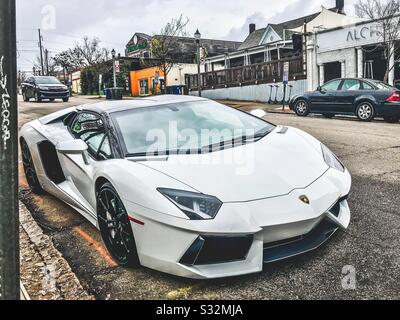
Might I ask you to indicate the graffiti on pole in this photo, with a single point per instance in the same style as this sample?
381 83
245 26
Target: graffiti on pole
5 107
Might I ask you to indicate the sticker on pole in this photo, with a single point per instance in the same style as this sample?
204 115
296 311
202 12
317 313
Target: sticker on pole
286 73
117 66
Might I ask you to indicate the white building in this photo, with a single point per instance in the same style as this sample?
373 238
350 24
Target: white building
354 50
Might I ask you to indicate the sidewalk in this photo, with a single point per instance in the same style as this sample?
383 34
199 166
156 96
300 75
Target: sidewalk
45 274
253 105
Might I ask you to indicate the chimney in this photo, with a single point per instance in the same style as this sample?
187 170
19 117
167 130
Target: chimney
252 28
340 6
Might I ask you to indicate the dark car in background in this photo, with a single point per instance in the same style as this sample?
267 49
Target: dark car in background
364 98
44 87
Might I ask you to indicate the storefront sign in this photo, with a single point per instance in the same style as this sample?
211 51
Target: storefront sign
136 47
365 32
349 37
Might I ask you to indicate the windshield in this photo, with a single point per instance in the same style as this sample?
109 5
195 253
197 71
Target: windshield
186 127
47 80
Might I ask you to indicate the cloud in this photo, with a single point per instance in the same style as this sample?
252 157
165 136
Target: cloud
240 33
114 22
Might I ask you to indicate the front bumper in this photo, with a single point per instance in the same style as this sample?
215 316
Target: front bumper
247 234
53 94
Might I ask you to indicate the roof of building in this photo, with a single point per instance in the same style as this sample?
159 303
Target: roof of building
212 42
254 39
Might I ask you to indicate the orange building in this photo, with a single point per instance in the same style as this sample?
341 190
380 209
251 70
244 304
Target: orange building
142 81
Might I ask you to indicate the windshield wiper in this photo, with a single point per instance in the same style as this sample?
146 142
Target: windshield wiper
256 137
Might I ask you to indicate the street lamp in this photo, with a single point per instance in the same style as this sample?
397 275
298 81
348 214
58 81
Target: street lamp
197 36
114 73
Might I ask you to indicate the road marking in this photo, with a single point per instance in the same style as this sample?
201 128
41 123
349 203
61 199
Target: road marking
97 246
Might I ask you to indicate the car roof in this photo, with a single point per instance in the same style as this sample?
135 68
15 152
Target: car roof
123 105
360 79
44 77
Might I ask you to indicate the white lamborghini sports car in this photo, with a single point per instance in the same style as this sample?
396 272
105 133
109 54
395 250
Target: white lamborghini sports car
165 200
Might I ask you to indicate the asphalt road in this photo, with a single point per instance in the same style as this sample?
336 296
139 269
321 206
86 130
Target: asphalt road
369 249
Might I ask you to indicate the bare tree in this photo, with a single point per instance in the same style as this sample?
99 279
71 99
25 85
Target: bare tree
84 54
49 65
165 48
386 16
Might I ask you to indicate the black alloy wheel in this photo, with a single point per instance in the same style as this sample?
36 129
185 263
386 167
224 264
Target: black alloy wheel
29 169
37 98
115 227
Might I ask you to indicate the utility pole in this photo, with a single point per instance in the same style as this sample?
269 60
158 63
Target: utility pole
41 52
9 233
197 36
46 55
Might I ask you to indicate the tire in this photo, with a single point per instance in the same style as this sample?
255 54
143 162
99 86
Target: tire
30 170
391 119
115 227
365 111
37 99
26 99
302 108
65 99
328 116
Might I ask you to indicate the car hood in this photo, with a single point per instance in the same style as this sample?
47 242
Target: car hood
57 86
271 167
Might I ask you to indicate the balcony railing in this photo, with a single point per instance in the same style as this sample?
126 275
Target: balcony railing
265 72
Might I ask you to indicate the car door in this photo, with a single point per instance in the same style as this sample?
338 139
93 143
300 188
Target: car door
346 96
322 100
90 128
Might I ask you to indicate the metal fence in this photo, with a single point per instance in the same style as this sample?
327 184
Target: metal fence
247 75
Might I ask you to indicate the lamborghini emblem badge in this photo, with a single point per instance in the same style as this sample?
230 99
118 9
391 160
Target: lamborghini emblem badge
305 199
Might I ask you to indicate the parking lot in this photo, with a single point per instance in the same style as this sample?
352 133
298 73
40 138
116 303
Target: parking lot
370 247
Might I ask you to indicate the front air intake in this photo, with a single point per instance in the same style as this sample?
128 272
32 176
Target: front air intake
214 249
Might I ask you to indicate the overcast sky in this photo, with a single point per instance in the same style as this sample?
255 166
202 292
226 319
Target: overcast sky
115 21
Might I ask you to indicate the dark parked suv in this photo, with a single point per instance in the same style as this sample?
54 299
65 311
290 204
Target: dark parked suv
364 98
40 88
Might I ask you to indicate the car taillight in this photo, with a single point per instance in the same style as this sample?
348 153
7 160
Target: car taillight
395 97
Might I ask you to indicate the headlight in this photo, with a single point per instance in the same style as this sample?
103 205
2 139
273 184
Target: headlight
331 160
196 206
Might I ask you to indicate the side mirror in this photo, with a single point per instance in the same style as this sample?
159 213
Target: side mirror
319 88
259 113
77 146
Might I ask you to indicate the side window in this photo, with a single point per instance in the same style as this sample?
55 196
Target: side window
90 128
332 85
366 86
351 85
